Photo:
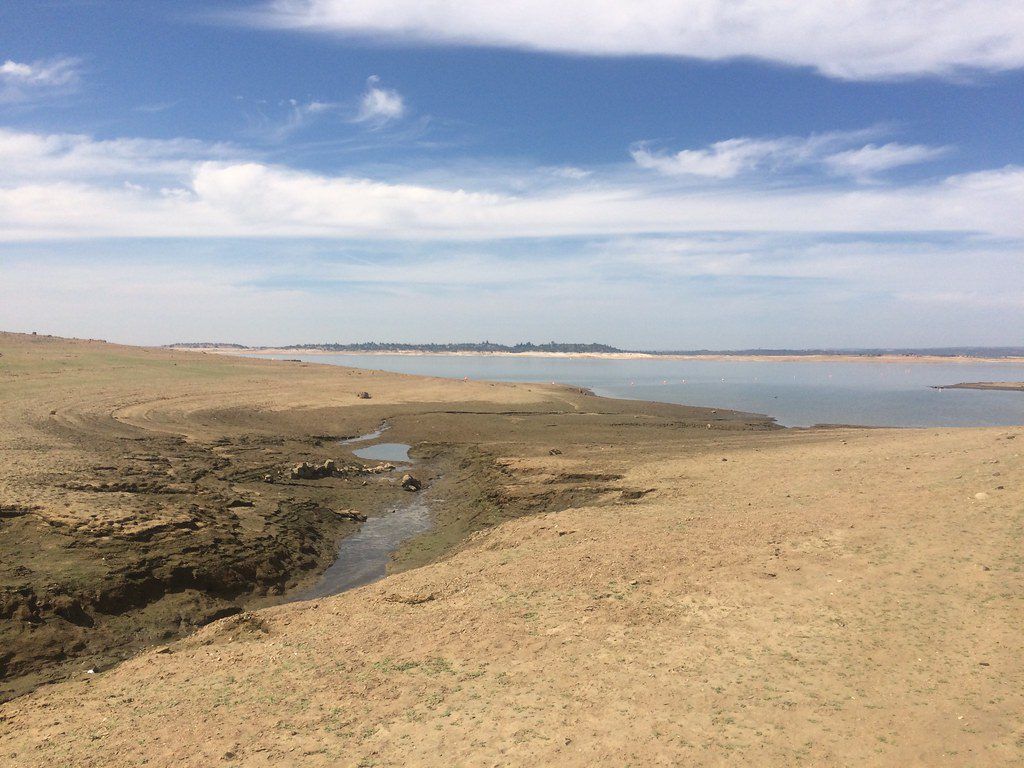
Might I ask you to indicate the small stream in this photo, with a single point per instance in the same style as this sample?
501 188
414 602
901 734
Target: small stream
384 427
363 557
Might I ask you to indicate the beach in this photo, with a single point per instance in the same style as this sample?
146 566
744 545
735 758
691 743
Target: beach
607 581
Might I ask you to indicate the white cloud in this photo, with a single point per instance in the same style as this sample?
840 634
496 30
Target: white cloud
856 39
732 157
867 161
722 160
571 172
72 157
74 187
20 81
379 105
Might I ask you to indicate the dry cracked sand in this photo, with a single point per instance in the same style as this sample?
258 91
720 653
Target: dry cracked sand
658 593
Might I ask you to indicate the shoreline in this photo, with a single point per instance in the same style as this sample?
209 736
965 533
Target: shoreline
838 358
1001 386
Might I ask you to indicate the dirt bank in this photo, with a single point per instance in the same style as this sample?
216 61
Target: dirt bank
134 502
1007 386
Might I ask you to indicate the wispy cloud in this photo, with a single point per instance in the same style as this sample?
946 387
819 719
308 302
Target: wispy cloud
65 158
20 81
831 151
60 186
856 39
864 163
379 105
375 108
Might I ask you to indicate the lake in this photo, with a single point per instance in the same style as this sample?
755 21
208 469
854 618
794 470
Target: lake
797 394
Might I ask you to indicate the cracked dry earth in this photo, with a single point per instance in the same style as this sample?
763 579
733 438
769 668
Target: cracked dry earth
752 597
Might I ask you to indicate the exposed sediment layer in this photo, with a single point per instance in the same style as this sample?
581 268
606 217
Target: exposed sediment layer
135 497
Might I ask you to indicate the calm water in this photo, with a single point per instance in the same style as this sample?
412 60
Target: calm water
363 557
393 452
796 394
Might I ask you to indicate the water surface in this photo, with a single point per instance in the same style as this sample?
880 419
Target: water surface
368 436
794 393
363 557
393 452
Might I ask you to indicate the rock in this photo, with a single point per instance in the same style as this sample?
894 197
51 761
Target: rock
307 471
71 610
268 478
350 514
303 471
239 503
554 452
981 496
410 483
363 395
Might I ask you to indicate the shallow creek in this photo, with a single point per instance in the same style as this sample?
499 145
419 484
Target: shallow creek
363 557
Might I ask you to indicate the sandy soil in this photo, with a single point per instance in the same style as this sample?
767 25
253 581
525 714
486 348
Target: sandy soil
725 596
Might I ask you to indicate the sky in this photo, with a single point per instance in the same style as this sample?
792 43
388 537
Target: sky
659 174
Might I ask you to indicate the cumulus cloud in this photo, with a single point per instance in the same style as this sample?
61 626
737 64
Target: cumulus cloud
857 39
21 81
73 186
379 105
732 157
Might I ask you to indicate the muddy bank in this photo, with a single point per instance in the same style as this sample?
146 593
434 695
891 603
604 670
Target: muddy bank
1007 386
147 492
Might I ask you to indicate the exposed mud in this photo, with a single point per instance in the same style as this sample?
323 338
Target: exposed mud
148 492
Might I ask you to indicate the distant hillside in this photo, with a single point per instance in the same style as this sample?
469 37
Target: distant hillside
483 346
205 345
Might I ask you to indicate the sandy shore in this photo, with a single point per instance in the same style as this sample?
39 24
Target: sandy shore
654 592
896 359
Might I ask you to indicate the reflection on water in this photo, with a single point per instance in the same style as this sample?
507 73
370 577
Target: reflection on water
395 452
363 556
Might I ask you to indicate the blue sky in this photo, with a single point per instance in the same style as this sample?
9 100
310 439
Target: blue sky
679 174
